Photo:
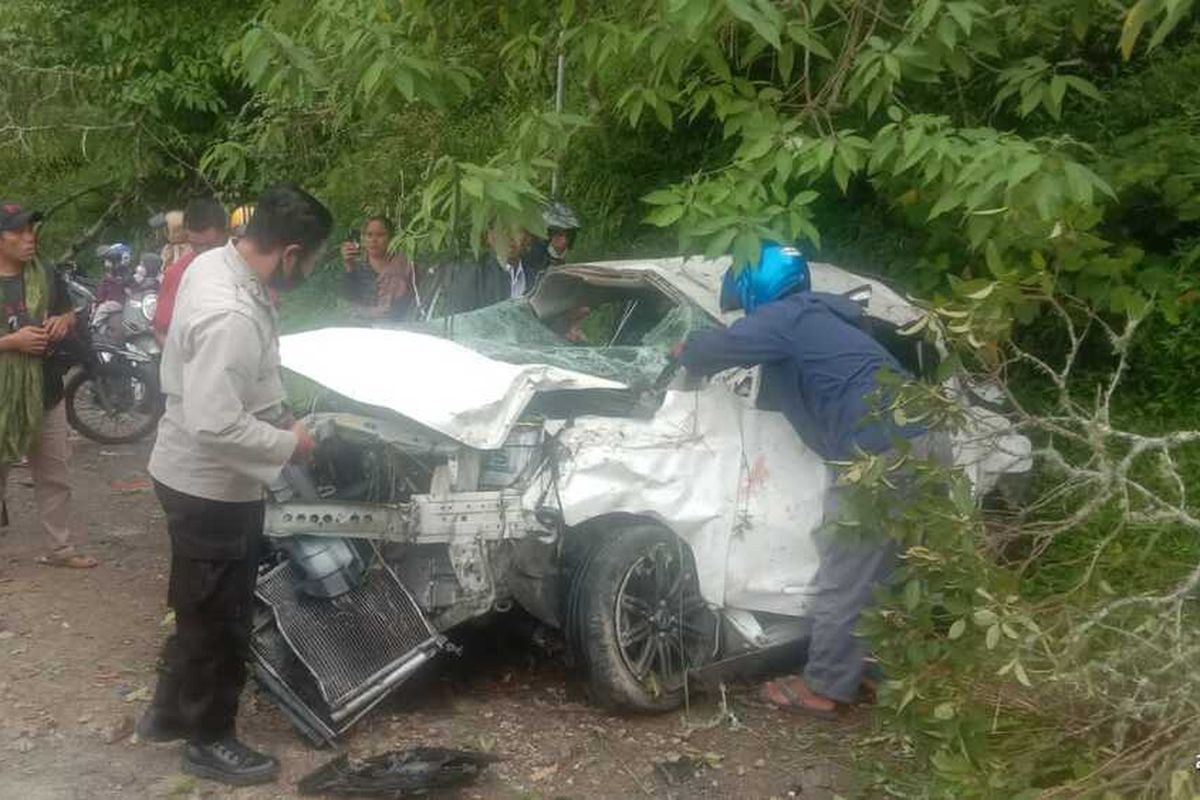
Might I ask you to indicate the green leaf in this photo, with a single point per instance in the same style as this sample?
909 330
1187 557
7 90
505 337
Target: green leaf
1135 19
807 39
944 203
715 60
662 111
472 186
1176 11
993 637
841 173
960 625
947 34
787 59
875 98
891 66
995 263
664 216
984 617
1030 100
371 77
962 15
755 148
662 197
1054 97
912 594
1046 197
566 10
504 193
806 229
257 56
1079 181
763 26
1022 677
403 81
925 15
745 247
1023 168
1084 87
983 292
720 243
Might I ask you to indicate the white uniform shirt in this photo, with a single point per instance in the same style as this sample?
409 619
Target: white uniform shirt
220 375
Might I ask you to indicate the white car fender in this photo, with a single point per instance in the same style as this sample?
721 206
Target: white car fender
736 484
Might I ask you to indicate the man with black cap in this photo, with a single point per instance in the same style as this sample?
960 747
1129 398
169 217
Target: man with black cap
35 316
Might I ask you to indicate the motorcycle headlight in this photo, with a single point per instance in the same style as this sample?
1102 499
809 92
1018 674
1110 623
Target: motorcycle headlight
149 304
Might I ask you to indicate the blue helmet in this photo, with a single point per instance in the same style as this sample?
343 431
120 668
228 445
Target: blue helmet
780 271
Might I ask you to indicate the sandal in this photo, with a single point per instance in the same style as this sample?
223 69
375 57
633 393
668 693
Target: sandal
68 560
794 702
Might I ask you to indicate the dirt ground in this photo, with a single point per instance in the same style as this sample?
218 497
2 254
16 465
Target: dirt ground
76 668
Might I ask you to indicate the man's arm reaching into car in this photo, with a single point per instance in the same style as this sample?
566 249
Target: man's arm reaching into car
754 339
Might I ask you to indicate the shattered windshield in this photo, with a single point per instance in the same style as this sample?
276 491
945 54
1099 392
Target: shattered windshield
620 335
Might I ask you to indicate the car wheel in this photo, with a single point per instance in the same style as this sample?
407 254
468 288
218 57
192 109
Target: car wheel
636 618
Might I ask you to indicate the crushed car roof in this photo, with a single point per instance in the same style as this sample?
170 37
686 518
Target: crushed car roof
699 280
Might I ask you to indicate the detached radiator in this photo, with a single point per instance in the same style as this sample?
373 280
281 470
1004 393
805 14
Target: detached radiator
330 661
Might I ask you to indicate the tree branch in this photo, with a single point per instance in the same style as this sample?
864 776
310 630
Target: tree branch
118 202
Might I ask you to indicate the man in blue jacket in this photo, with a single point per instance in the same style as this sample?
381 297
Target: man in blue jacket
820 369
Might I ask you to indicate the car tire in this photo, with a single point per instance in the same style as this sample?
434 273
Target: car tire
624 607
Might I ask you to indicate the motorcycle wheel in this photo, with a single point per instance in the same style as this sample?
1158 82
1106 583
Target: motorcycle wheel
116 404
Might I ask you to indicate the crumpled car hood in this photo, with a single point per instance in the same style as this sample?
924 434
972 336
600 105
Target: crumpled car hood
438 383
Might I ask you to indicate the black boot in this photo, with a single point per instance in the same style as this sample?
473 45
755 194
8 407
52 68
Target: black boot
229 761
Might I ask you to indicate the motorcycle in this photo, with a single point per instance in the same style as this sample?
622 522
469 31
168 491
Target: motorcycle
112 391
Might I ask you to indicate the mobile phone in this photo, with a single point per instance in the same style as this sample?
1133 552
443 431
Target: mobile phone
355 236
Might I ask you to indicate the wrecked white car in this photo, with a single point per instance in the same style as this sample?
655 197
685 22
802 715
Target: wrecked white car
495 459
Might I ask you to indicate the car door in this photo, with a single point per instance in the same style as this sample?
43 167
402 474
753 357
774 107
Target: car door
779 501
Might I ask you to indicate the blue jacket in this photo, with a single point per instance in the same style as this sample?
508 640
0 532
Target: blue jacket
819 368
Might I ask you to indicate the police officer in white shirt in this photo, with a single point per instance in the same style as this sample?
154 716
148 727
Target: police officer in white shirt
224 437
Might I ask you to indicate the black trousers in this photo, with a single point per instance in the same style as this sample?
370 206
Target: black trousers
215 549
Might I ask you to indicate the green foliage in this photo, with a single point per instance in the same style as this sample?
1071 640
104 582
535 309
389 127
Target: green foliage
110 101
768 87
1165 14
1031 168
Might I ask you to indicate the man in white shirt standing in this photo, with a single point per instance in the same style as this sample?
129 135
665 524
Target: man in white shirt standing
224 437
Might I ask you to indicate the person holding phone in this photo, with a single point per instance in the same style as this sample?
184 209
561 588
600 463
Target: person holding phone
378 284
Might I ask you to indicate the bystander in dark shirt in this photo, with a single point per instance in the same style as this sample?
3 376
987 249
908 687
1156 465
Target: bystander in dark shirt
16 316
